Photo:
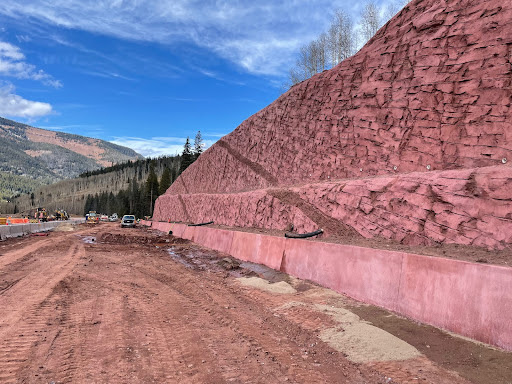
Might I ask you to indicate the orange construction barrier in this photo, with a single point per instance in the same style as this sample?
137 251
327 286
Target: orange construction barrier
10 220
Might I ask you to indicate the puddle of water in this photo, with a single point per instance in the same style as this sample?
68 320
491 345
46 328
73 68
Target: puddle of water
88 239
196 259
267 273
179 258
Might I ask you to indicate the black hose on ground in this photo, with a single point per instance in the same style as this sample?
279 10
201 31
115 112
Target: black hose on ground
303 235
198 225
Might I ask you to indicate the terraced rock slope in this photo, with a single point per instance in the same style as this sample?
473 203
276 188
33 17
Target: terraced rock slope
409 139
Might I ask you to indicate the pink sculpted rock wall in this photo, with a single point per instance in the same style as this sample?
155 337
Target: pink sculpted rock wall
433 87
470 207
431 91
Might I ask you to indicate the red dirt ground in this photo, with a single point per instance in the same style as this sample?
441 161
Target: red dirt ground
103 304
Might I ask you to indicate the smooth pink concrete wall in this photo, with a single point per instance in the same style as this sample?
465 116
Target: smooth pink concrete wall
189 233
217 239
178 229
261 249
470 299
366 274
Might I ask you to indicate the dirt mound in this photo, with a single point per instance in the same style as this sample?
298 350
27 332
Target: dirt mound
65 227
177 240
118 238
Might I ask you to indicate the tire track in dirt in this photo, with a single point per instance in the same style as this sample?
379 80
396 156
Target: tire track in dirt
169 351
168 343
14 256
24 310
20 253
211 353
237 350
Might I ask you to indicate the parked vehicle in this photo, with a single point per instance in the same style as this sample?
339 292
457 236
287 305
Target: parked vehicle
103 218
113 217
128 221
93 217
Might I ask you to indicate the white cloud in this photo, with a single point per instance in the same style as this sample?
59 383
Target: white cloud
260 36
13 105
12 63
156 146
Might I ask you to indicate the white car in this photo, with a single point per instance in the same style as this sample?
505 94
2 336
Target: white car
128 221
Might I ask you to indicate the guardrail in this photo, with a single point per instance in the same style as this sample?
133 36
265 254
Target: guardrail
17 230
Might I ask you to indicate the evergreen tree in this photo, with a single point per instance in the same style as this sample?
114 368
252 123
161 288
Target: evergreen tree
94 203
151 190
187 157
88 204
111 208
165 181
103 202
133 197
198 145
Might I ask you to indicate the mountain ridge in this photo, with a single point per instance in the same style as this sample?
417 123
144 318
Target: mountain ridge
46 156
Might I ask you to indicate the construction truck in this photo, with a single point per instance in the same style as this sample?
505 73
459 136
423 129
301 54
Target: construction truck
92 217
60 214
40 214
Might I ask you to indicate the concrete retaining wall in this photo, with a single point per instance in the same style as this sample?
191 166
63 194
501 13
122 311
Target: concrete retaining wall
18 230
470 299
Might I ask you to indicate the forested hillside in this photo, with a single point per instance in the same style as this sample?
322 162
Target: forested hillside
13 185
43 157
125 183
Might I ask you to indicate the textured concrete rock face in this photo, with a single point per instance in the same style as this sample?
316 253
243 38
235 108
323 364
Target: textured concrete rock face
430 92
460 207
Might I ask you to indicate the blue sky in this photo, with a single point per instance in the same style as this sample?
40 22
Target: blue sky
146 73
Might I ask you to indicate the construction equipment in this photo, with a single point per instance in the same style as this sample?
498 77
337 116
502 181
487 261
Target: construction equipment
40 214
93 217
60 214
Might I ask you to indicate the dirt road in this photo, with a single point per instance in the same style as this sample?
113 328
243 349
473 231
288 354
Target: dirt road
104 305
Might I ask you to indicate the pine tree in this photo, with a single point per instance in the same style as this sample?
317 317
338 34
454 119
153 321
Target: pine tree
198 145
151 190
165 181
187 157
133 197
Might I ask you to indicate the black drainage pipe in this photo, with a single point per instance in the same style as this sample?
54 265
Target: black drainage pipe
303 235
198 225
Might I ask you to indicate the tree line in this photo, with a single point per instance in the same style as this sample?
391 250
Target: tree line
341 40
139 198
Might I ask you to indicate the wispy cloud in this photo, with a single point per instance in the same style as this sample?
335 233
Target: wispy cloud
13 105
73 127
258 36
156 146
13 64
107 75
